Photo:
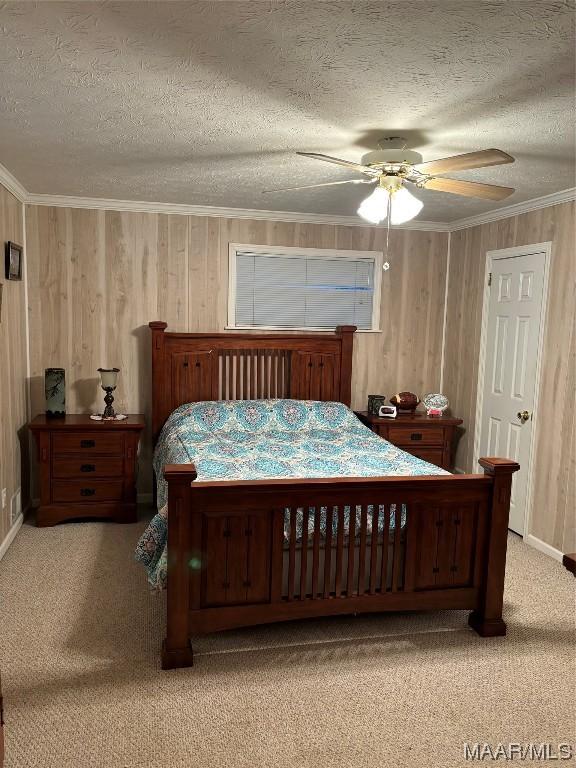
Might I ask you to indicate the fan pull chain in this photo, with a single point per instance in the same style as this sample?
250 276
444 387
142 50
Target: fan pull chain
386 265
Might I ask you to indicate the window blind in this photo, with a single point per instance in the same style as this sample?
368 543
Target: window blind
300 291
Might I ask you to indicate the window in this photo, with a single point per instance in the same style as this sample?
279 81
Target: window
303 288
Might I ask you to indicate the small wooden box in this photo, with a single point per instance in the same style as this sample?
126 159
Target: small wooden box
87 468
427 437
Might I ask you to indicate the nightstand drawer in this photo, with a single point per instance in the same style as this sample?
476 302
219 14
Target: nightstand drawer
88 443
86 467
432 455
416 435
87 490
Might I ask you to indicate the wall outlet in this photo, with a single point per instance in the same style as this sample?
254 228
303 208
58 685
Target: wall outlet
16 506
3 498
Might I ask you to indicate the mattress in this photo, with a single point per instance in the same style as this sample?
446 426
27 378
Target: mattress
263 439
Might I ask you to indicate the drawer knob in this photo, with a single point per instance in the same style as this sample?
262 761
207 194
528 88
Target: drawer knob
87 491
87 443
87 468
416 436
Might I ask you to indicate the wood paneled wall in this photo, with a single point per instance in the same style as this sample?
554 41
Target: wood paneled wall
554 500
13 366
97 277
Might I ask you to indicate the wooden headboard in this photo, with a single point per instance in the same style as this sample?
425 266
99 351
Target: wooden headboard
188 367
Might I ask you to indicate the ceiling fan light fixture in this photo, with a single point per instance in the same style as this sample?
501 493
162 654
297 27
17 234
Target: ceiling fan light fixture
404 206
375 207
392 165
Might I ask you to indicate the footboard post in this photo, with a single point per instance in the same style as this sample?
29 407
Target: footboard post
176 650
487 618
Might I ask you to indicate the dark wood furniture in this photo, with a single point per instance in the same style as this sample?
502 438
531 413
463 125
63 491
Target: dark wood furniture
229 563
428 437
569 562
87 468
188 367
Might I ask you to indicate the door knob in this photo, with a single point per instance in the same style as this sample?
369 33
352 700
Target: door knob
523 416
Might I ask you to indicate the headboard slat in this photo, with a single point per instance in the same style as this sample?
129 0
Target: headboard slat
188 367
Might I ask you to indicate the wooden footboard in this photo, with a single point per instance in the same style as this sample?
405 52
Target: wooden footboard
251 552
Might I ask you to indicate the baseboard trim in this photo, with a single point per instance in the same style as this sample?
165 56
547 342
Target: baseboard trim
11 536
541 546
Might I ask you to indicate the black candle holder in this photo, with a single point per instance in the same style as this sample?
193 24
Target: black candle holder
109 412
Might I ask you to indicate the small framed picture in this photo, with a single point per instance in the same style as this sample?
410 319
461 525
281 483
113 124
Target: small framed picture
13 261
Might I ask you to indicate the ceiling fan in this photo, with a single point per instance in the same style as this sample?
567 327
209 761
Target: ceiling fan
394 167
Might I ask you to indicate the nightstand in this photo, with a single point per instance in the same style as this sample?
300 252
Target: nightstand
87 468
428 437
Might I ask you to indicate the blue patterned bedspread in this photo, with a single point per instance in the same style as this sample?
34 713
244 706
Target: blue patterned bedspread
260 439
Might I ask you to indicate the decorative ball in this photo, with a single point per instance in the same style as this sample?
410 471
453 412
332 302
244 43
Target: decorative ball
405 401
435 401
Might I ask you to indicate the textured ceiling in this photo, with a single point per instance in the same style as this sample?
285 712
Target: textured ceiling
206 102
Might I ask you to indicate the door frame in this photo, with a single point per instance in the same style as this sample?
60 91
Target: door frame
490 258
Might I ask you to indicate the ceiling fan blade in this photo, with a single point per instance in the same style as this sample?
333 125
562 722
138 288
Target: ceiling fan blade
468 188
338 161
479 159
325 184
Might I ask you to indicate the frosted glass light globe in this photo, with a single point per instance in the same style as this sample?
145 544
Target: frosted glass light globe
403 208
375 207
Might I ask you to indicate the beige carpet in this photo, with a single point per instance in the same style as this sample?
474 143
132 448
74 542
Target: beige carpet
79 641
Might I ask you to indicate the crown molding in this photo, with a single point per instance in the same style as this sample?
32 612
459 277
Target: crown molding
12 184
135 206
556 198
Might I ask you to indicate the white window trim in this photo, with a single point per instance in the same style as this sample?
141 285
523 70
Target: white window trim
272 250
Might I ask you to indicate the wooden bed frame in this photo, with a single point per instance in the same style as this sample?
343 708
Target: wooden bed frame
229 564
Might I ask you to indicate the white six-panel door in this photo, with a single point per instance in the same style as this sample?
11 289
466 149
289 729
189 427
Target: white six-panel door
515 314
